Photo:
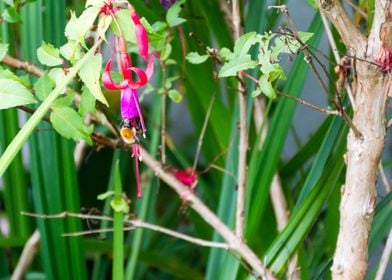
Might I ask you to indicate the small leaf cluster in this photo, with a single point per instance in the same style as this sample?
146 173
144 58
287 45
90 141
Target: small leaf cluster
255 51
11 12
160 37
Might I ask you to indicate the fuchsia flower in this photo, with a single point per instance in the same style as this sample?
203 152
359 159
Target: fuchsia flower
132 125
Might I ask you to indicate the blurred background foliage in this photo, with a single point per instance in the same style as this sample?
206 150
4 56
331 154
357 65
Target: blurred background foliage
45 179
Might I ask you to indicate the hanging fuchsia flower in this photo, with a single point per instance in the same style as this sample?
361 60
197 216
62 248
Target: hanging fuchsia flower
132 125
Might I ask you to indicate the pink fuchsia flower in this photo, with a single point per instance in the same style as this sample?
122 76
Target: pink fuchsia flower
132 125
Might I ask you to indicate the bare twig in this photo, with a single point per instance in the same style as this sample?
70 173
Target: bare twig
337 56
243 127
27 257
350 34
18 64
202 133
385 181
358 9
385 258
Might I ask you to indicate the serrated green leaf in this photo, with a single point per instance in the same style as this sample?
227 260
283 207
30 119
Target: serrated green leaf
244 43
57 75
87 102
43 86
77 28
226 54
236 65
71 51
3 50
195 58
266 86
48 55
105 195
103 26
172 16
64 101
7 74
127 27
69 124
94 3
13 93
175 95
11 15
90 74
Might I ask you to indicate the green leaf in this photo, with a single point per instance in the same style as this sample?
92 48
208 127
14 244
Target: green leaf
87 102
235 65
226 54
77 28
172 16
57 75
95 3
266 86
195 58
245 42
69 124
43 86
11 15
90 73
127 27
71 51
105 195
103 26
119 205
166 51
9 2
175 95
7 74
3 50
48 55
13 93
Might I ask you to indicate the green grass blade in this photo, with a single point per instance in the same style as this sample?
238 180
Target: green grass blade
118 235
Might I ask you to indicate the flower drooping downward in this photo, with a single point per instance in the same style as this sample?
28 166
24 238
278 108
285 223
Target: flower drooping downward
132 126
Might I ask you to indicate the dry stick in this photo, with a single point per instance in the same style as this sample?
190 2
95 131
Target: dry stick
309 59
243 127
236 244
385 258
297 99
27 257
337 56
359 194
358 9
203 131
385 181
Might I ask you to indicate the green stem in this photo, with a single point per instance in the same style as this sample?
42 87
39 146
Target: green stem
118 234
16 144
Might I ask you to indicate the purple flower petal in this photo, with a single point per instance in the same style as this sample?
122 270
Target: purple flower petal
130 107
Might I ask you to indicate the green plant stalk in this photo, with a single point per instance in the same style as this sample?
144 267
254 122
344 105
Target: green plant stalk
16 144
118 234
146 201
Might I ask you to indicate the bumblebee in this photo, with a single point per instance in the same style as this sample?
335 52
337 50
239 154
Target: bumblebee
130 130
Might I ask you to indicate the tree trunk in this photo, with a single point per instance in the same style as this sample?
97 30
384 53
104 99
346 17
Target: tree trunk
359 193
363 153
